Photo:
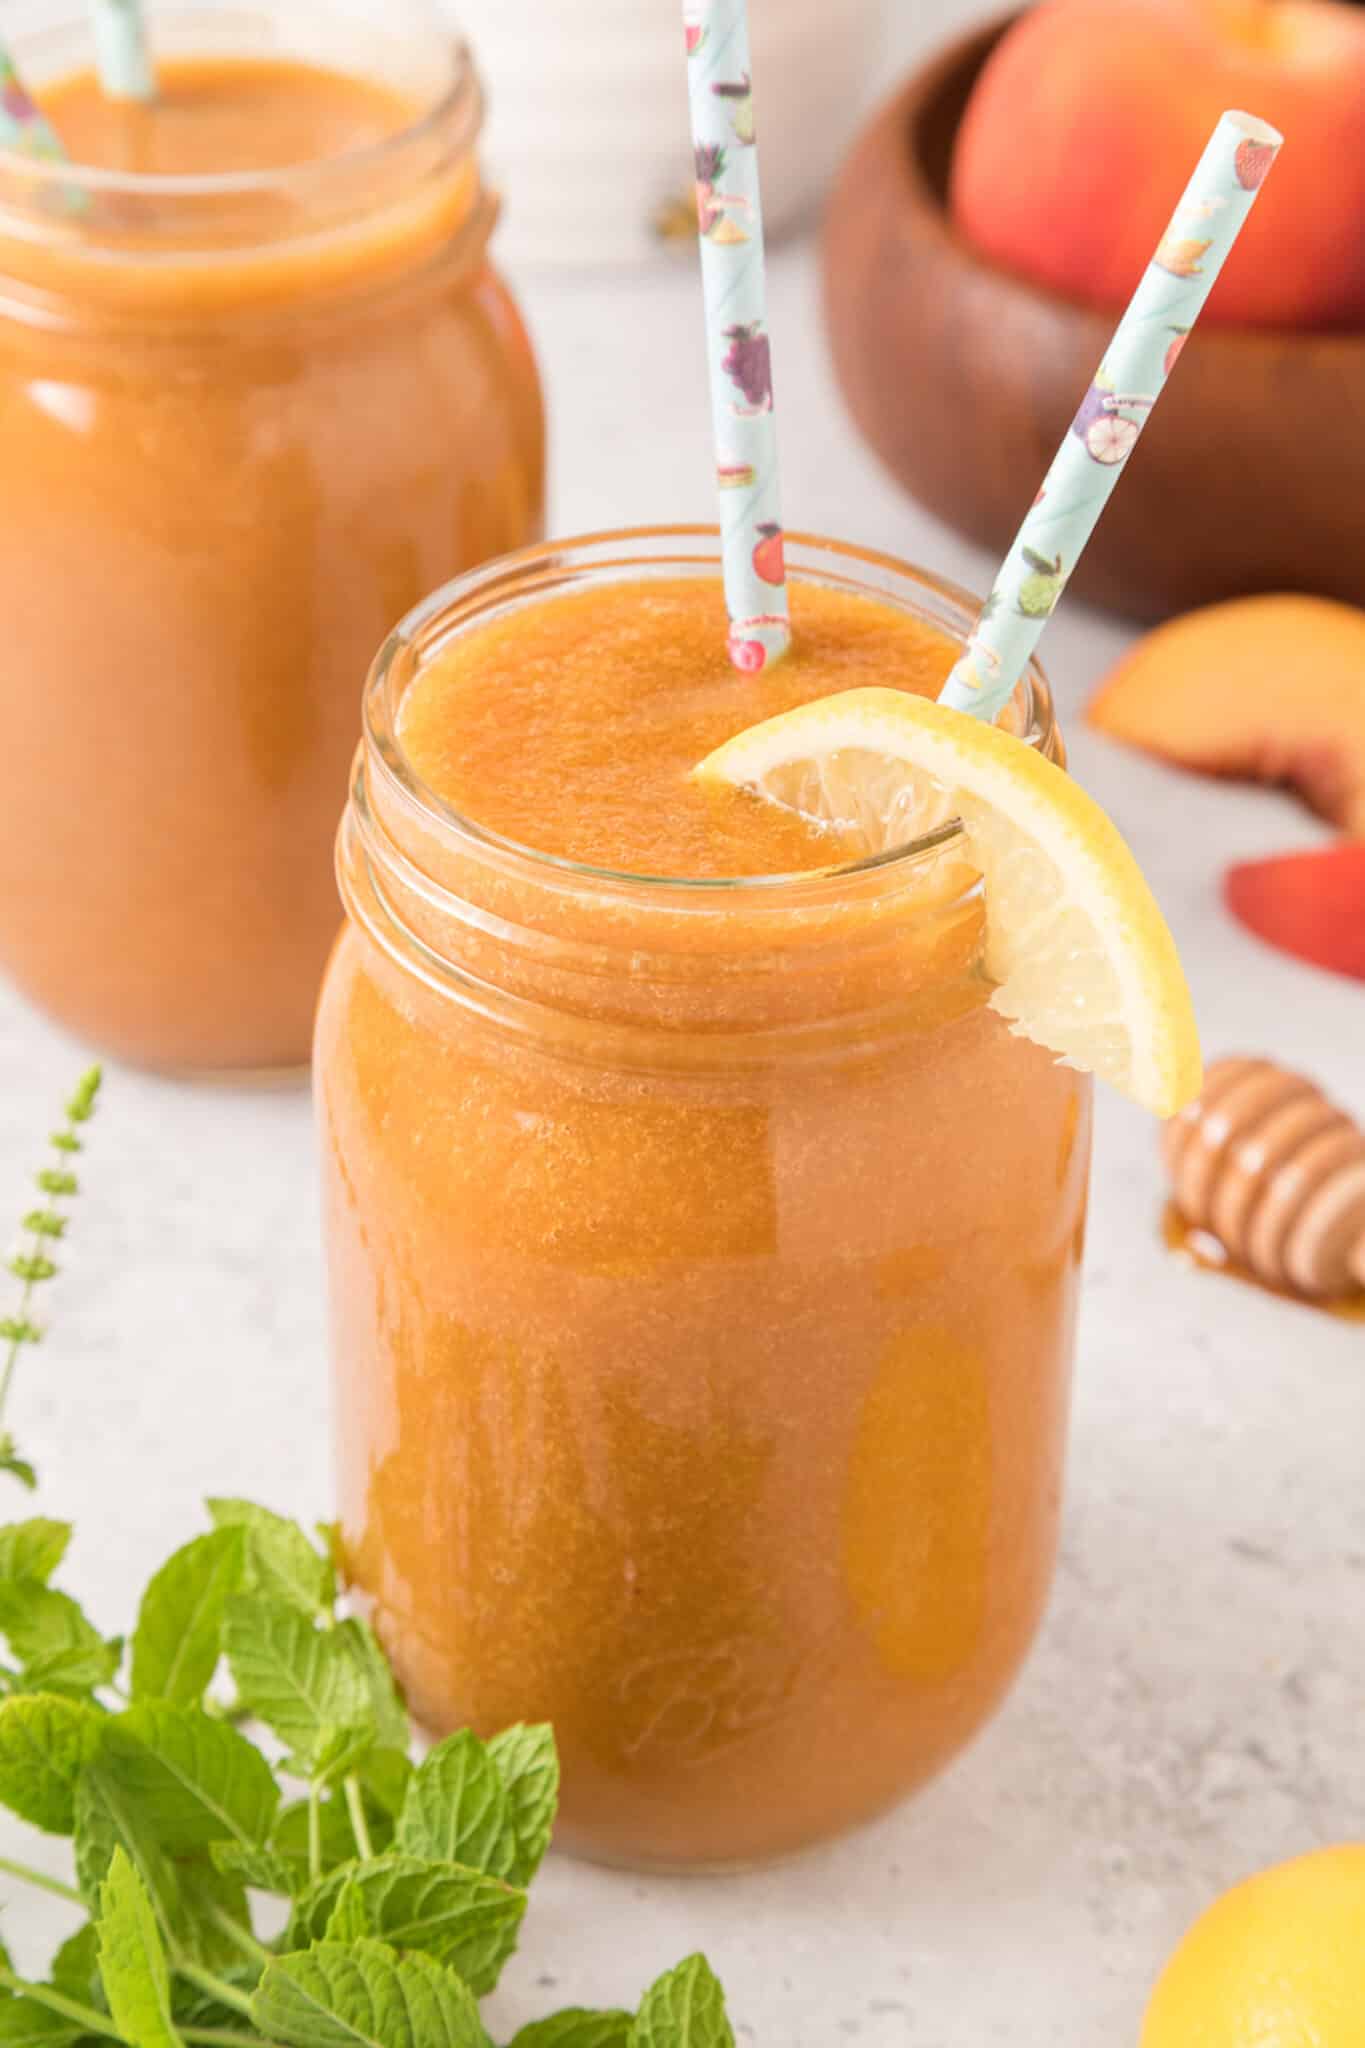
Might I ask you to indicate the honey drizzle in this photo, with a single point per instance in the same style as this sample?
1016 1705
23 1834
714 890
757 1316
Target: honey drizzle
1199 1247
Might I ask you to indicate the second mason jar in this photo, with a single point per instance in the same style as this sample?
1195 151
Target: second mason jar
703 1253
259 389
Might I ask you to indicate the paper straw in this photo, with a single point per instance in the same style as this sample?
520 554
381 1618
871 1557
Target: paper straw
121 53
1113 413
23 126
730 225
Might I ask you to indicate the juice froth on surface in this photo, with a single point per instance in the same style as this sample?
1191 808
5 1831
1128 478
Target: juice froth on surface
571 726
222 116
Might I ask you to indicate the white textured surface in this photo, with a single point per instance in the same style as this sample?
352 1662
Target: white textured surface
1195 1706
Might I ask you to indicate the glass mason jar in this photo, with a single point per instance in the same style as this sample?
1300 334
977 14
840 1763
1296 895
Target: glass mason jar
703 1258
251 419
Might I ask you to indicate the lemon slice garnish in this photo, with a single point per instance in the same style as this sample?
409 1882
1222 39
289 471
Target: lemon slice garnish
1081 957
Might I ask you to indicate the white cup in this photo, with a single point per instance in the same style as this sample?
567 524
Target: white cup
588 135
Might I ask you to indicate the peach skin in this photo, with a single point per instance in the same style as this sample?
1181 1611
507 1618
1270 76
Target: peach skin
1265 689
1076 139
1310 905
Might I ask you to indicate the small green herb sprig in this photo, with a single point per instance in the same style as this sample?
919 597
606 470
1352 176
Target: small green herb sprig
405 1885
33 1263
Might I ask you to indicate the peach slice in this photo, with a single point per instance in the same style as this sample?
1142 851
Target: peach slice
1266 689
1311 905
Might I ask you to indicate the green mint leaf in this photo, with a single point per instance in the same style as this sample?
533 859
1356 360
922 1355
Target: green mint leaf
528 1762
577 2029
177 1641
202 1894
386 1775
194 2007
335 1753
296 1678
460 1917
456 1809
262 1870
75 1967
59 1649
45 1743
337 1838
133 1966
684 2009
55 1180
364 1996
386 1705
279 1558
194 1779
106 1819
26 2024
34 1549
349 1919
10 1461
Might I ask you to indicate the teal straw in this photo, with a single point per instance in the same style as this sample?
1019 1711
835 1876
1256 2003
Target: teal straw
24 128
1113 413
121 52
734 283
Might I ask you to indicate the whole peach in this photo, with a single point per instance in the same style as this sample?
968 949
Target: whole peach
1090 115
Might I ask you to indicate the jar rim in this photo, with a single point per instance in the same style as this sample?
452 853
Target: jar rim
617 555
39 184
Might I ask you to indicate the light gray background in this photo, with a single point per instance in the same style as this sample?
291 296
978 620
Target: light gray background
1194 1708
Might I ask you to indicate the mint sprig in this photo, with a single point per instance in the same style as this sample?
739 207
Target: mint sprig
32 1264
406 1886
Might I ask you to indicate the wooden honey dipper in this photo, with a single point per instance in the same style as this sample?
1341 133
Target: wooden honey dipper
1277 1173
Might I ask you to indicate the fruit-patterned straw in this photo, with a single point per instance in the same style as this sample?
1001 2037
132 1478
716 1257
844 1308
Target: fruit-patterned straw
125 66
24 128
1113 413
730 224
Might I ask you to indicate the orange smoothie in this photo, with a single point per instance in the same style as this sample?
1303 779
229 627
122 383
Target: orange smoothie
703 1250
263 389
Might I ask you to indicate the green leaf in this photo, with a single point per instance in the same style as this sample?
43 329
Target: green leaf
296 1678
45 1743
106 1820
336 1836
459 1916
195 2007
75 1967
26 2024
364 1996
10 1461
177 1641
59 1649
577 2029
349 1919
386 1705
33 1549
386 1775
280 1560
684 2009
203 1893
262 1870
528 1762
457 1810
133 1966
194 1779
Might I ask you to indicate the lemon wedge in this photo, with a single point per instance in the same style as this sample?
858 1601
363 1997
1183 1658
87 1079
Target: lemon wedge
1081 957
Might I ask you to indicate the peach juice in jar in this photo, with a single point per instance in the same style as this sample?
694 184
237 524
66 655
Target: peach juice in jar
703 1247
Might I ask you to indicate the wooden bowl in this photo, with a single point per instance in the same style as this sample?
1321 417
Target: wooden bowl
1250 476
